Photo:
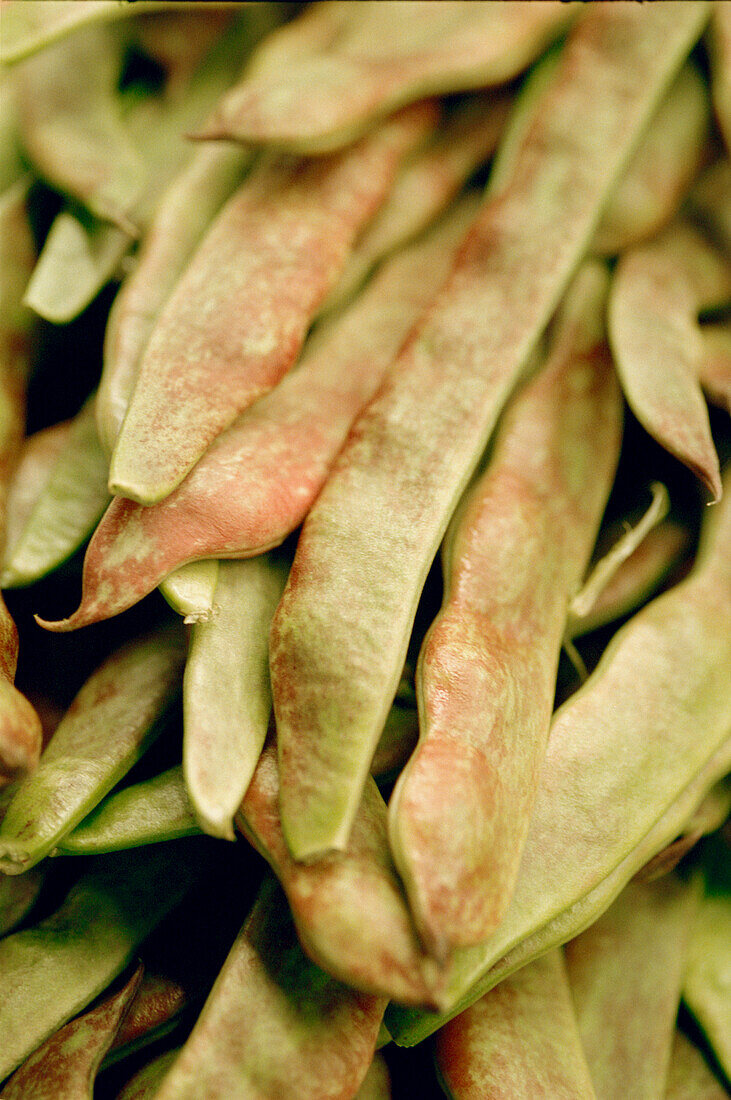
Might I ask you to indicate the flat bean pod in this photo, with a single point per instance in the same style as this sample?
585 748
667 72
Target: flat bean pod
67 507
383 58
37 458
376 1083
348 907
17 897
626 973
51 971
155 810
518 1042
224 732
237 318
259 478
657 293
341 631
106 729
274 1024
513 558
689 1077
191 590
158 1003
67 1063
630 757
709 203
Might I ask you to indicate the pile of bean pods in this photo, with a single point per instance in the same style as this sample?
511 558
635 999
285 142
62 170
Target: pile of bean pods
390 343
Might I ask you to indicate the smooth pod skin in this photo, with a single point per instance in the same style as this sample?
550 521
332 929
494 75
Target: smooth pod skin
625 973
709 203
630 757
657 293
72 128
20 727
67 506
380 59
709 816
158 1002
230 330
224 732
341 631
105 730
258 479
348 907
155 810
518 1042
52 970
67 1063
513 558
376 1083
274 1025
689 1076
37 458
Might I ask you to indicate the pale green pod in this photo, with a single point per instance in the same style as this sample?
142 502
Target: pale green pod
381 58
275 1025
518 1042
368 542
37 458
626 973
707 982
709 816
77 260
51 971
224 731
72 127
67 1063
29 26
107 728
191 590
690 1077
155 810
630 757
67 507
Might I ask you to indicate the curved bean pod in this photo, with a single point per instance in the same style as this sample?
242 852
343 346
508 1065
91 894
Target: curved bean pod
341 631
348 907
629 758
259 478
274 1024
107 728
626 973
231 329
381 59
657 292
513 558
689 1077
